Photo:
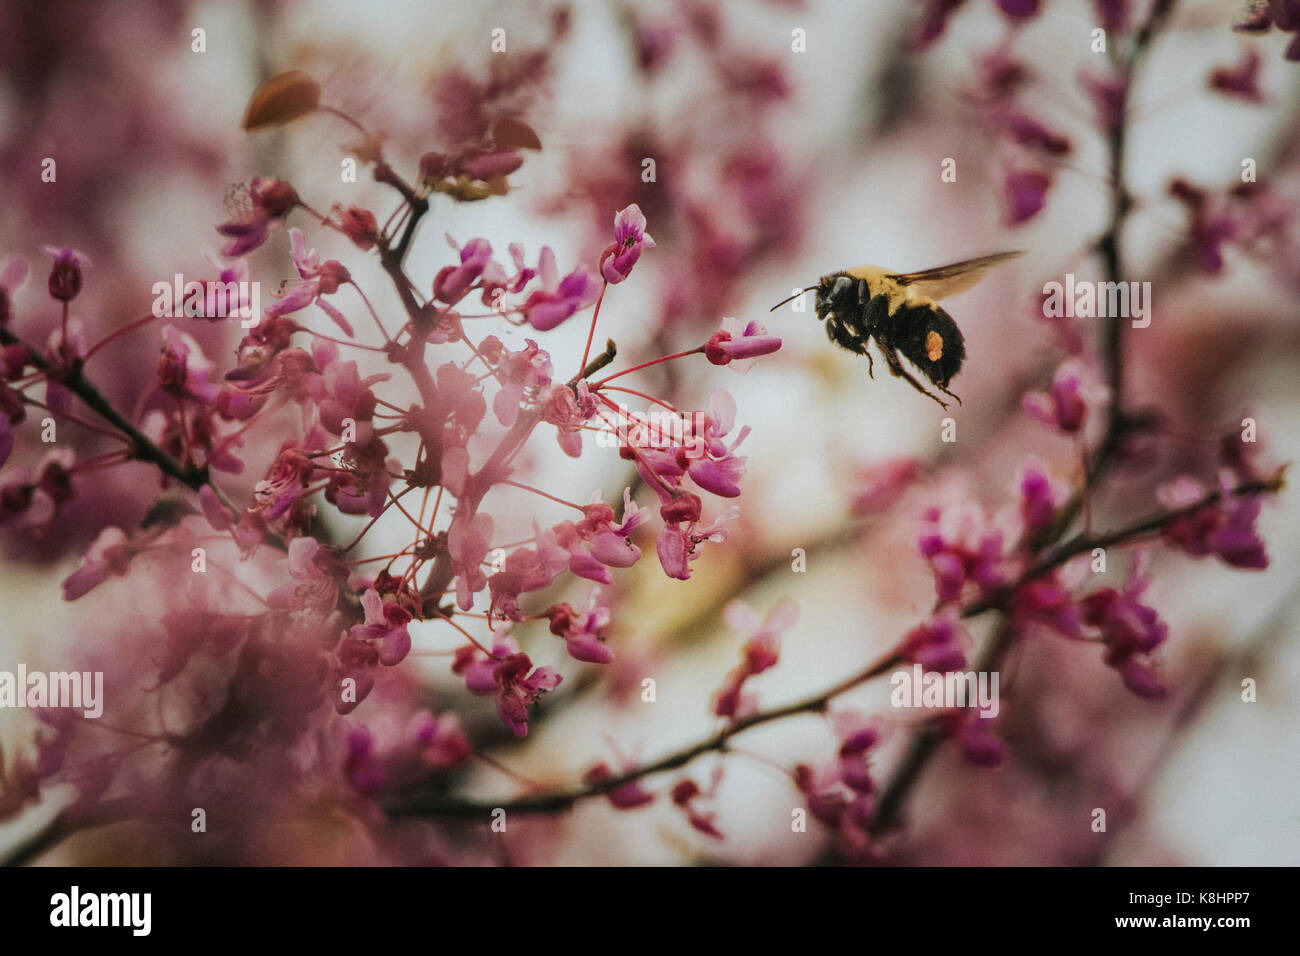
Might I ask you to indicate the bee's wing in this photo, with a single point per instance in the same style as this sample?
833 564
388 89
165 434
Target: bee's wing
948 280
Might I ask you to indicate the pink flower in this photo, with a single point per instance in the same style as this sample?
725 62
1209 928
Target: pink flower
183 369
468 541
1130 630
628 796
735 342
583 631
317 572
12 412
518 687
280 490
65 276
759 652
315 280
962 545
718 469
441 740
1040 497
523 374
109 555
630 238
1241 80
1065 405
1226 529
452 283
269 201
938 645
1025 193
1032 134
568 409
677 544
558 299
385 622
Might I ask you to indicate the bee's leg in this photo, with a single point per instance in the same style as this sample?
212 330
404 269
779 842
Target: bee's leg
896 367
846 338
944 389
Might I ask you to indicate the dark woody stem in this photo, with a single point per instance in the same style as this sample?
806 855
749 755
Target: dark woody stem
922 746
1118 423
142 448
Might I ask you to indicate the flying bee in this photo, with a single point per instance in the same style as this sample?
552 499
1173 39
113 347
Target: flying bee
900 310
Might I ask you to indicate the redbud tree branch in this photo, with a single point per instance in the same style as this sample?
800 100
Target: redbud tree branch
143 449
1118 423
550 801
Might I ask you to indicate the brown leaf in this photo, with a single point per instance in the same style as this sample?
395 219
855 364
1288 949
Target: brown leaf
510 133
282 98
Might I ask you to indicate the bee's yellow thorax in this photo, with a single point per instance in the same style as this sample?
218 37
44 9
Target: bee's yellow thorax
879 282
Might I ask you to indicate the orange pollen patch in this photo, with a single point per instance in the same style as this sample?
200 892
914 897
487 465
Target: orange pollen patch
934 345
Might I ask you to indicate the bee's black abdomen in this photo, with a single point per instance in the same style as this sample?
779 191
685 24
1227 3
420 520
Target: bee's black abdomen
929 339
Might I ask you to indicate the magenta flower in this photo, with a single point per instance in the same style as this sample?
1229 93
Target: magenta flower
962 545
1040 496
317 572
468 541
12 412
523 375
558 299
287 479
183 369
630 238
736 341
1130 630
385 622
109 555
629 796
717 469
316 279
1065 405
938 645
452 283
583 631
877 487
1241 80
1025 193
518 687
568 409
1226 529
760 651
269 201
678 543
65 276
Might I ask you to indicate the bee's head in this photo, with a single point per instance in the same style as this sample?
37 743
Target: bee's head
832 293
831 290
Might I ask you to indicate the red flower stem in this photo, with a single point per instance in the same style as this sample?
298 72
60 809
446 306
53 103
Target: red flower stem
122 331
538 491
648 398
637 368
383 331
591 333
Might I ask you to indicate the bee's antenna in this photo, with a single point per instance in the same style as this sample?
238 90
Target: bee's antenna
791 298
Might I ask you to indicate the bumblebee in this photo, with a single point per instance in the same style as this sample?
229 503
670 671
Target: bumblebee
900 311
